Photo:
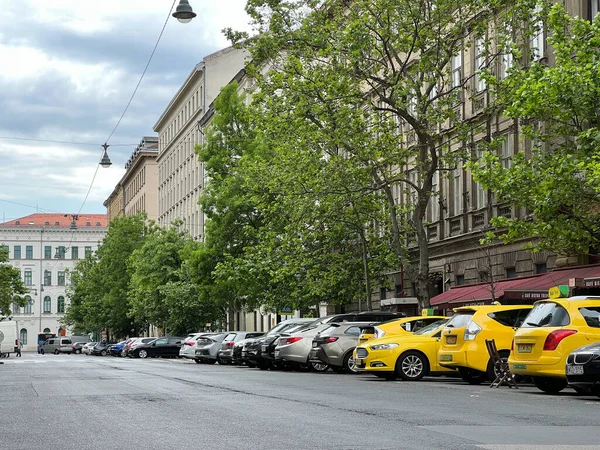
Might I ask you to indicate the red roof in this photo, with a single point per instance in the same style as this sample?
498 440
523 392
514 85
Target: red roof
59 220
514 287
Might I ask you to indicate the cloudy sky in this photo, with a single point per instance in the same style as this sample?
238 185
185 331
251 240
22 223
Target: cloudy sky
67 71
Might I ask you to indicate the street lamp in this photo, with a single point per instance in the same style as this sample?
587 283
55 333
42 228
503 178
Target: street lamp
105 161
184 12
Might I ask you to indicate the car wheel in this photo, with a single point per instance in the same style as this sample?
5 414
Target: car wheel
198 361
492 372
77 352
56 352
472 376
412 366
550 385
103 353
143 354
221 361
318 367
123 353
350 364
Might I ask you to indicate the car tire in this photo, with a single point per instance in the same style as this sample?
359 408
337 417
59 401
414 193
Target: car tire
103 353
412 366
318 367
77 352
142 354
491 369
221 361
550 385
123 353
350 364
472 376
198 361
56 352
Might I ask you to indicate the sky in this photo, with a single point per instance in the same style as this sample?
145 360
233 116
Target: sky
68 69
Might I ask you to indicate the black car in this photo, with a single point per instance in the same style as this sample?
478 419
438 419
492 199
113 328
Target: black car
100 349
165 347
583 369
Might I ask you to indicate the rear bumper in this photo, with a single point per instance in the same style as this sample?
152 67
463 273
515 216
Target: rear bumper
546 366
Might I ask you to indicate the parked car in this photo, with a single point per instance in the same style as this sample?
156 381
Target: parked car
61 344
188 347
225 353
583 369
408 356
136 342
207 348
116 349
463 339
87 348
553 329
100 349
77 347
165 347
335 346
293 348
238 352
260 352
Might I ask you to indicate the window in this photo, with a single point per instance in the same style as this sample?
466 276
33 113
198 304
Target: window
382 293
537 42
27 278
507 151
547 315
61 252
17 252
507 60
47 252
479 64
511 318
23 336
541 268
61 278
480 194
28 306
594 8
398 290
16 309
460 320
460 280
591 316
47 278
457 191
88 250
74 252
511 272
354 331
29 252
434 201
47 304
457 70
60 304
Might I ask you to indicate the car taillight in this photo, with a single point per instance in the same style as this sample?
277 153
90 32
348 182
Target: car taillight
229 344
555 337
471 331
512 345
378 333
293 339
191 344
331 339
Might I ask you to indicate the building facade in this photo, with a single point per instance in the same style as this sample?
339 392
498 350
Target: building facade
180 174
45 248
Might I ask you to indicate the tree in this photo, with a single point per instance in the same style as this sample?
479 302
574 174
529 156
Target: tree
12 289
380 84
555 177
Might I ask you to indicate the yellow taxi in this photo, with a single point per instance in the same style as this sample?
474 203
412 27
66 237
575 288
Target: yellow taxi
551 331
463 338
408 356
403 326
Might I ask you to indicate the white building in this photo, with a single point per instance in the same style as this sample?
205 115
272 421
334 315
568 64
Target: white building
180 174
45 248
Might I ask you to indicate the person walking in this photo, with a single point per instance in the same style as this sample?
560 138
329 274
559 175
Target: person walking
19 347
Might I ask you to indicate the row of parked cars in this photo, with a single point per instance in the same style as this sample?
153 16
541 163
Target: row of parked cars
555 343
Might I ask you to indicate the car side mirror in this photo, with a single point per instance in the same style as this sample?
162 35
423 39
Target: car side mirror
154 344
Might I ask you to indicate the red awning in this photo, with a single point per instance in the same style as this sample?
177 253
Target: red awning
530 288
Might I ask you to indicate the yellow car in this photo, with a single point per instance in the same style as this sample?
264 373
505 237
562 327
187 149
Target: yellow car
551 331
409 356
403 326
463 339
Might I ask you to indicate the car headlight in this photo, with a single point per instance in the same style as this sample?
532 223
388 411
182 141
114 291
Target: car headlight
384 346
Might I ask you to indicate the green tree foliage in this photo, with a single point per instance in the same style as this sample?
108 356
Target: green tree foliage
12 289
368 87
556 173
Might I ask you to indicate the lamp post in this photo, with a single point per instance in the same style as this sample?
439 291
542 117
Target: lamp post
105 160
184 12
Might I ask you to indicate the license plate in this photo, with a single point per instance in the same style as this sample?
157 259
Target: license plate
524 348
450 340
574 370
446 357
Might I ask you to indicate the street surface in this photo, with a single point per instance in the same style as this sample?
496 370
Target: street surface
86 402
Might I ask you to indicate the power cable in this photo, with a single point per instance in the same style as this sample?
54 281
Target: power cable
60 142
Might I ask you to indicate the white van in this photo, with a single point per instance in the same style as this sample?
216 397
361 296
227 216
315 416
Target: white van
9 337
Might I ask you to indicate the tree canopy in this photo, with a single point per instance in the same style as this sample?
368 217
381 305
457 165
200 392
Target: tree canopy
12 289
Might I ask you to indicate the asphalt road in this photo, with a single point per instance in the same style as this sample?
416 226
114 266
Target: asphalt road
85 402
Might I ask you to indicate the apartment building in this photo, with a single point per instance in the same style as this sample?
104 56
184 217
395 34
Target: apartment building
45 248
137 191
180 174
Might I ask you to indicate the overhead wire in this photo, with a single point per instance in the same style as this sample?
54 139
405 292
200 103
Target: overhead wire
14 138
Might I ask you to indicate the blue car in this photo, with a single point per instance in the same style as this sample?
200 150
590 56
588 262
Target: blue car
115 349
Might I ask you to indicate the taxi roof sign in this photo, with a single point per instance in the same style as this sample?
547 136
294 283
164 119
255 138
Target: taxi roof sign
560 291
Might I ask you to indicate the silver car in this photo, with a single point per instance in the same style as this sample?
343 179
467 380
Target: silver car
188 347
294 348
207 348
335 344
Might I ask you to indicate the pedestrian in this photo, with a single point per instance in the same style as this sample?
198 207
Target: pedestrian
19 347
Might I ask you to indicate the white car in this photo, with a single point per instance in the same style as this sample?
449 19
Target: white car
188 346
87 348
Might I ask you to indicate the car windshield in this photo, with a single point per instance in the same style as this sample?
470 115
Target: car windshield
432 327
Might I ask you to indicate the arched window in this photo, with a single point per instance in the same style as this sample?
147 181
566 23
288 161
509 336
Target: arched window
28 309
46 330
47 304
60 304
23 336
